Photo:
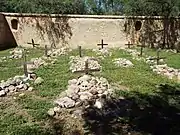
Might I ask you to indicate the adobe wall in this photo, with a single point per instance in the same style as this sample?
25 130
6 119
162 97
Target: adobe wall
88 30
68 30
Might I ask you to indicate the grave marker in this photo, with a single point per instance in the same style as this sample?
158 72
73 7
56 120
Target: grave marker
142 47
25 63
158 57
33 44
102 44
86 69
46 51
129 44
80 51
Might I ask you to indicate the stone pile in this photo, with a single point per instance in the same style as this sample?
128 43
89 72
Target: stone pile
35 63
82 92
166 71
16 84
135 54
122 62
58 52
150 60
103 52
17 53
78 63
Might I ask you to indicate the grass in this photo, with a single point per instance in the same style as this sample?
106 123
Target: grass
10 68
172 59
28 114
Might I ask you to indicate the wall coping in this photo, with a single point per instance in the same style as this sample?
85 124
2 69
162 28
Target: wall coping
81 16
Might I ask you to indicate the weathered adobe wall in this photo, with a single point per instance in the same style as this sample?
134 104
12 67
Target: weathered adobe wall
70 30
88 30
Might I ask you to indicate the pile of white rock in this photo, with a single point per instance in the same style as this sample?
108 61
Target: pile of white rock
122 62
78 63
150 60
16 84
83 92
35 63
135 54
17 53
170 72
103 52
58 52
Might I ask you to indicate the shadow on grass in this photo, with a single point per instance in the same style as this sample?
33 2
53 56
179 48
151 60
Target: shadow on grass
138 113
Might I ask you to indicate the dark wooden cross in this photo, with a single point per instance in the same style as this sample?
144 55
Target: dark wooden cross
158 57
46 51
129 44
102 44
80 51
33 44
87 70
25 63
142 47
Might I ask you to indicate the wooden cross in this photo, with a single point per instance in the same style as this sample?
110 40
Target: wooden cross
46 51
25 63
129 44
87 70
102 44
142 47
158 57
80 51
33 44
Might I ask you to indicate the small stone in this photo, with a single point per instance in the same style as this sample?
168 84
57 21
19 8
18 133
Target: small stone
93 91
7 90
21 95
57 109
75 97
78 103
20 86
2 93
30 89
72 82
98 104
11 88
100 91
65 102
39 80
51 112
25 87
85 95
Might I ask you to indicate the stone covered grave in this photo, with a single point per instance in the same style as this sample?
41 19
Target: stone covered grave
170 72
18 84
78 63
58 52
102 52
82 92
122 62
16 53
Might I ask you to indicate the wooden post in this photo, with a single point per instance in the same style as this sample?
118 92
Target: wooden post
86 67
129 44
158 58
102 44
80 51
142 47
32 43
25 63
46 51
